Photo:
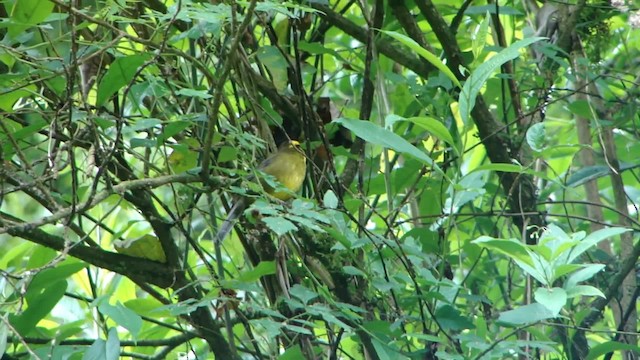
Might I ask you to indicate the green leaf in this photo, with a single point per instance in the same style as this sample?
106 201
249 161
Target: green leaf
104 350
97 351
377 135
594 238
327 314
302 293
598 351
46 277
478 78
584 290
586 174
542 269
9 98
173 128
510 247
353 271
279 225
4 333
40 301
193 93
513 168
581 108
330 200
585 274
122 316
292 353
564 269
141 124
479 37
385 352
526 314
147 143
276 64
450 319
536 137
309 223
263 268
553 299
432 125
27 13
120 74
112 346
317 48
434 60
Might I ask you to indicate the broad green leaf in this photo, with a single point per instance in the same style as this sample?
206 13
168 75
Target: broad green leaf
9 97
513 168
147 307
302 293
564 269
432 125
384 352
4 333
270 327
474 83
450 319
46 277
528 261
298 329
584 290
292 353
193 93
536 137
553 299
263 268
353 271
146 143
27 13
542 269
122 316
510 247
104 350
329 315
40 301
598 351
276 64
112 346
141 124
479 37
311 224
330 200
586 174
552 242
377 135
584 274
173 128
120 74
279 225
594 238
317 48
526 315
425 54
581 108
97 351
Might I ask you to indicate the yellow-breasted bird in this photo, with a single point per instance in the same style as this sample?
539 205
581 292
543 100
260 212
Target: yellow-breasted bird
288 165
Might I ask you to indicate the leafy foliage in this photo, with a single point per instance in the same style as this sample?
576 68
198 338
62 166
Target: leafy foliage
469 195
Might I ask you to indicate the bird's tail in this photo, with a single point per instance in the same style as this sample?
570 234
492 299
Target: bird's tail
227 224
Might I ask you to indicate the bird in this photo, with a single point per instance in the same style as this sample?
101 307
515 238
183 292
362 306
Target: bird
288 165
